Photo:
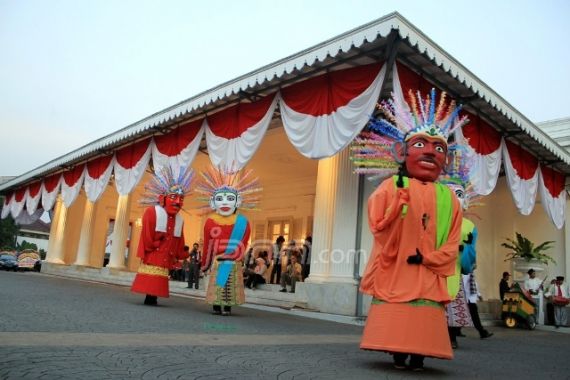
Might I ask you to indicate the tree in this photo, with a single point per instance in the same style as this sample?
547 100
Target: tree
8 231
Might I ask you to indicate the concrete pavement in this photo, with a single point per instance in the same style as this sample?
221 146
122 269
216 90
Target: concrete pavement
59 328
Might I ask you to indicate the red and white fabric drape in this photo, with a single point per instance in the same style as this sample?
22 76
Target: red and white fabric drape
130 165
521 170
97 174
33 195
71 183
177 148
18 202
6 207
322 115
234 134
50 190
553 195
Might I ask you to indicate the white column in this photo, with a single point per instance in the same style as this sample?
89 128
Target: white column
335 221
55 246
86 234
566 248
120 232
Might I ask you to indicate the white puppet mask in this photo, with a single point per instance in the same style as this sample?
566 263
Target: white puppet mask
225 202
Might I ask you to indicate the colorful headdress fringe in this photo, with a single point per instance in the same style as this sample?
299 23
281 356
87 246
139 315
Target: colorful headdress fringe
372 151
242 183
167 182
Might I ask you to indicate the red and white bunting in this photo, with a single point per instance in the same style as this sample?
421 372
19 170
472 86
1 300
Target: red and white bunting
18 202
521 170
7 206
178 148
553 195
234 134
71 183
322 115
488 147
97 175
130 165
50 189
33 195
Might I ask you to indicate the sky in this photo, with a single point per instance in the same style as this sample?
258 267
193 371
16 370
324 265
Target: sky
75 71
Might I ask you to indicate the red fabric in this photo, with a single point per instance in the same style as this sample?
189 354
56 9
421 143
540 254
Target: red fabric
553 180
151 285
129 156
172 143
232 122
326 93
72 176
483 138
20 193
98 166
409 80
217 232
51 182
8 198
524 163
34 188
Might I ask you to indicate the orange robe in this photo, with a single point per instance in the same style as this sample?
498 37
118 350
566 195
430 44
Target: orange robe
407 314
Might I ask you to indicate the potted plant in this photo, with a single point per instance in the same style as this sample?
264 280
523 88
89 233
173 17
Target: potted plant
523 248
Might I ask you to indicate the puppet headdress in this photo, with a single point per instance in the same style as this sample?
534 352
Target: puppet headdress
166 182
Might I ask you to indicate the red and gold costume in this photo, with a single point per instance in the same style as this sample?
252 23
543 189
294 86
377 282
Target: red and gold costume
160 247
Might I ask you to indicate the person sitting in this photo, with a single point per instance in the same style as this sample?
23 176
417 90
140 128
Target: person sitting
292 274
256 276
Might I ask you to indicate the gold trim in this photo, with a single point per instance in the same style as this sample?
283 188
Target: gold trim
153 270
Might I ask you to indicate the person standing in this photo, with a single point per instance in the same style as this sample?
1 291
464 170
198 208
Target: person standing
226 234
194 262
559 295
306 257
161 244
533 285
504 285
473 295
277 260
416 226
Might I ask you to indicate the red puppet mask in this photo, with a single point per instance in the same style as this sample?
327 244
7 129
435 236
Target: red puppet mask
172 203
425 157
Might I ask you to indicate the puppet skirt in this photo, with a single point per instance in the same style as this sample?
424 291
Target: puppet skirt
151 280
232 293
417 327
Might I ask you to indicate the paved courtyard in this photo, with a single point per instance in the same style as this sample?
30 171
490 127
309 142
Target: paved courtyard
58 328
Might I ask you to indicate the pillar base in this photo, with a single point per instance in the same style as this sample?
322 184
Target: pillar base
56 261
329 297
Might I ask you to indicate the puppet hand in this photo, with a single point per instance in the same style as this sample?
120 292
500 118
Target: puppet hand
469 239
415 259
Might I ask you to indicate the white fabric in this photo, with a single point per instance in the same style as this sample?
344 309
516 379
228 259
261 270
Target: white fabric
24 218
183 159
127 179
17 207
69 193
236 152
397 86
32 202
555 207
94 187
162 219
523 191
6 209
325 135
486 170
48 199
470 297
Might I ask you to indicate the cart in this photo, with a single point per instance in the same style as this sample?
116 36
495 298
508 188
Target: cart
518 308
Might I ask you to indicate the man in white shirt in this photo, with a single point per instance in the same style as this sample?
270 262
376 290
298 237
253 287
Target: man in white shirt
533 285
559 295
472 295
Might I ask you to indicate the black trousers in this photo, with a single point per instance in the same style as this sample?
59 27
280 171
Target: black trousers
193 275
474 311
276 270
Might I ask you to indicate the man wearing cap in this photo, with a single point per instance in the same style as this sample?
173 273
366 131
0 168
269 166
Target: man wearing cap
504 285
559 295
533 286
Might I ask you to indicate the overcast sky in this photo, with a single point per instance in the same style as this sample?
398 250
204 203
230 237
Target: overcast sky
74 71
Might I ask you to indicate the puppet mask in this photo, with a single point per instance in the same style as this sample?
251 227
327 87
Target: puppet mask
425 157
225 202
